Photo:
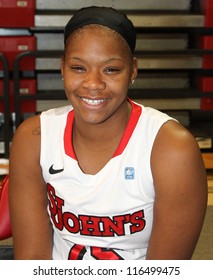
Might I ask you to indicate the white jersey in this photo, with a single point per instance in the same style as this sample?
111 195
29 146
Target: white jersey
107 215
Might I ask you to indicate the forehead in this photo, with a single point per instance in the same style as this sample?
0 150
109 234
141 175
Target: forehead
96 27
92 29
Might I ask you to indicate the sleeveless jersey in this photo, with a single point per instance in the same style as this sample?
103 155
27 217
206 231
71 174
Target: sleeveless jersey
108 215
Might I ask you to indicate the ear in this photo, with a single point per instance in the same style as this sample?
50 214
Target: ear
62 66
134 69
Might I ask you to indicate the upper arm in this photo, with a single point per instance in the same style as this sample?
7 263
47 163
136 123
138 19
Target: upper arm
181 194
27 195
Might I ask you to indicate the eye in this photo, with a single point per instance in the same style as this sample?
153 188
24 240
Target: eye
77 68
111 70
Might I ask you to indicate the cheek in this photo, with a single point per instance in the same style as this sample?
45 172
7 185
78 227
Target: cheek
122 84
69 90
70 84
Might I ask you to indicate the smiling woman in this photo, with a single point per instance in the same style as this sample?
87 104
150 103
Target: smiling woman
99 178
96 78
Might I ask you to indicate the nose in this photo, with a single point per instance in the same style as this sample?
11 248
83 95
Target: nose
94 82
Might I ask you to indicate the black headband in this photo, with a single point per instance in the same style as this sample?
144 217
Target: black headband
105 16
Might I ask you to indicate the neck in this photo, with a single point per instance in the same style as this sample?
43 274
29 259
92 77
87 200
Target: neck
100 135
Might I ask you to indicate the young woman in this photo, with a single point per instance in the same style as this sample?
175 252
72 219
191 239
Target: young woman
104 178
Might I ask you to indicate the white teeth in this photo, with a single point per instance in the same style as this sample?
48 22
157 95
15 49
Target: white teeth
93 102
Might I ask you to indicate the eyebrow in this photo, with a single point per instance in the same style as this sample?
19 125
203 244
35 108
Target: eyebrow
107 61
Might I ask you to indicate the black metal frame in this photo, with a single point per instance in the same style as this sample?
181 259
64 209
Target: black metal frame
49 95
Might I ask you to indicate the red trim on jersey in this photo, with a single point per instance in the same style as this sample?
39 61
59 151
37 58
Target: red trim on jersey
134 117
133 120
68 147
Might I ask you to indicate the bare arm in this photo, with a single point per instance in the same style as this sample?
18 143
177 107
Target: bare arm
32 233
181 194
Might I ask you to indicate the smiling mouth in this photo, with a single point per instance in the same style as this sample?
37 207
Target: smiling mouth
93 102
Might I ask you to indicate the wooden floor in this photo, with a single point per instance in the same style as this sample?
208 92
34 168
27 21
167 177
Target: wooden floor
204 248
210 188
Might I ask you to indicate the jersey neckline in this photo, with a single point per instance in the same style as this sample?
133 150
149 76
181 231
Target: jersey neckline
133 120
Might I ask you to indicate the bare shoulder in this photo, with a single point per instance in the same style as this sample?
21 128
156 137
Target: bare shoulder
28 131
177 165
175 145
26 142
30 127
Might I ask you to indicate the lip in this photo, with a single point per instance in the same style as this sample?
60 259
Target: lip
94 102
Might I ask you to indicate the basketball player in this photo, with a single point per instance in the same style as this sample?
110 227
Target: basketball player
104 178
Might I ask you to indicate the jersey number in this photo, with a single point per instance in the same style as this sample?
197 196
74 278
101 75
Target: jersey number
77 253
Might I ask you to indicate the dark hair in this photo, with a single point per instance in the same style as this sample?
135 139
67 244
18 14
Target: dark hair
105 16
